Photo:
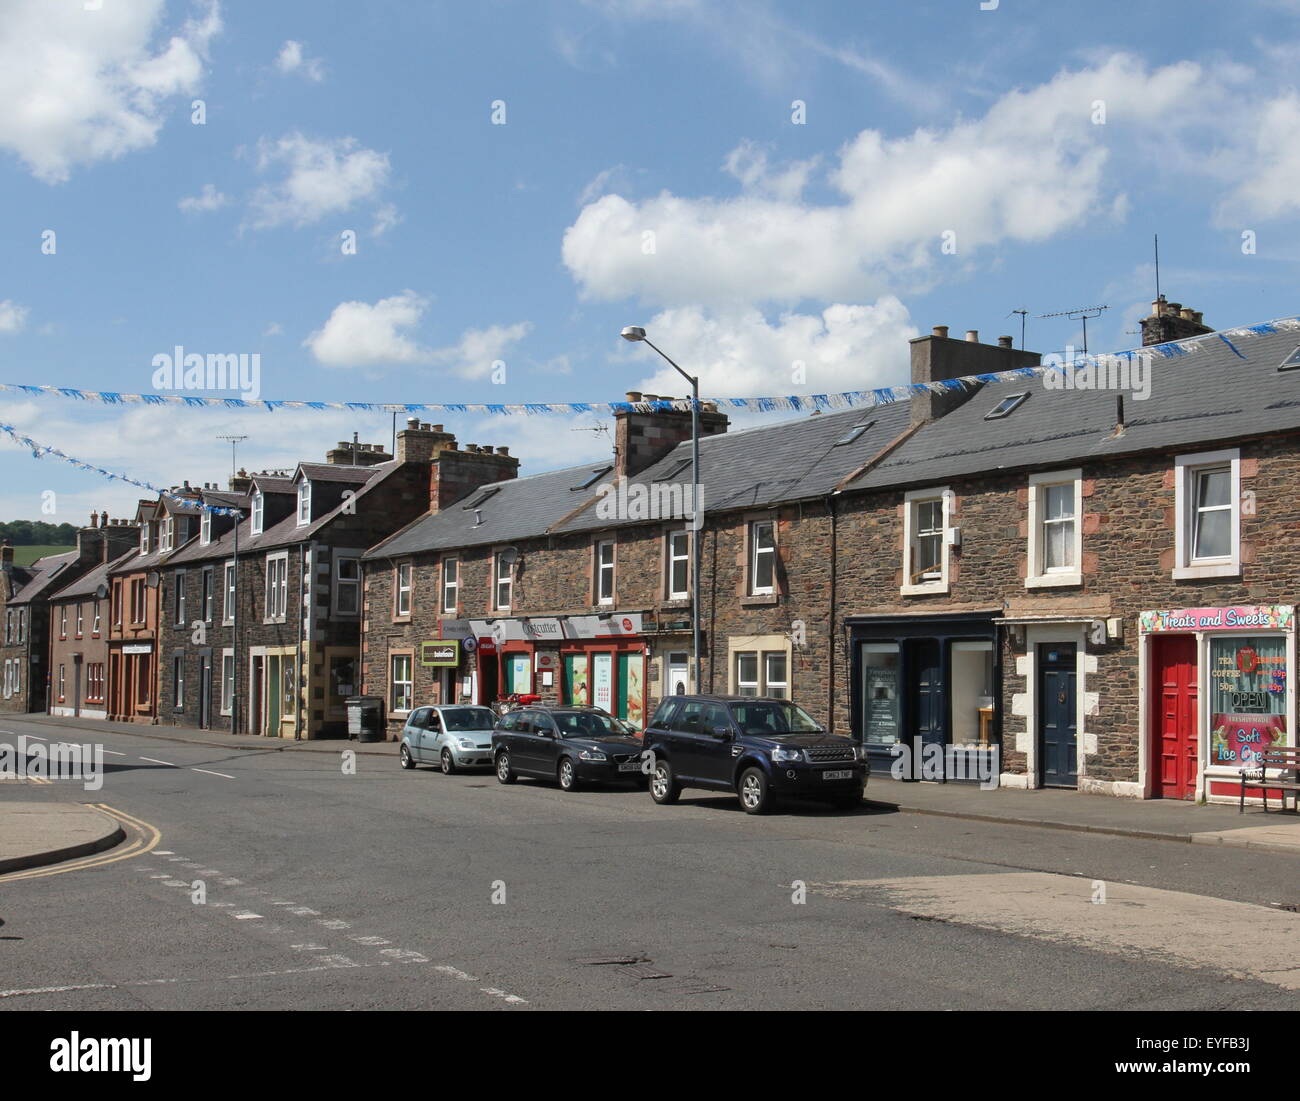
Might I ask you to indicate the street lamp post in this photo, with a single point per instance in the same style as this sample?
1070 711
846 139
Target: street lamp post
637 334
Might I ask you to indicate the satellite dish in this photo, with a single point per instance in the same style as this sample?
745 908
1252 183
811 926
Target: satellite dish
102 591
152 578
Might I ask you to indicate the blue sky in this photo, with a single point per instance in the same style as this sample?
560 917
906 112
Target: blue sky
650 170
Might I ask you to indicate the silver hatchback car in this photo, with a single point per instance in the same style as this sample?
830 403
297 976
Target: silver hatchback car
453 736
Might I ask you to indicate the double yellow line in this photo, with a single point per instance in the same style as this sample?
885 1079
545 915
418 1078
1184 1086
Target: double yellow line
141 838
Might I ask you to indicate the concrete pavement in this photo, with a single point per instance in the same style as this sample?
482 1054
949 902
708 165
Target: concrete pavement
35 834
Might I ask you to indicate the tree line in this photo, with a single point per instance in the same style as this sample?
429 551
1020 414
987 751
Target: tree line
37 533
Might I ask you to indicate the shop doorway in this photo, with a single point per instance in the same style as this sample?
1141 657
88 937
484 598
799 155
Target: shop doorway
1058 735
1173 722
926 665
679 673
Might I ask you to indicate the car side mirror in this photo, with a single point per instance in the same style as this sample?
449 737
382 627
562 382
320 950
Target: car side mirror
723 732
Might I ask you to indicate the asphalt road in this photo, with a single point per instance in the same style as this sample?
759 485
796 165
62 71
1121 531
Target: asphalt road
324 889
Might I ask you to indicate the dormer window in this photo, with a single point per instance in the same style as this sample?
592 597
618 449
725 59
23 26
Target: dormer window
257 513
144 537
304 503
205 528
165 536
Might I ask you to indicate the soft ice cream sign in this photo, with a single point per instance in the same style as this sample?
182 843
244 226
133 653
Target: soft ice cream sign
1261 617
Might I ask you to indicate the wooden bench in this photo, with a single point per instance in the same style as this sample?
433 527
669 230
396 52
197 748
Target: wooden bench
1286 764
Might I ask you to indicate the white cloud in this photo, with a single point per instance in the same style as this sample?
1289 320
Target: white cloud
386 217
12 316
292 59
320 178
208 199
479 349
1033 166
740 354
1268 190
358 334
82 86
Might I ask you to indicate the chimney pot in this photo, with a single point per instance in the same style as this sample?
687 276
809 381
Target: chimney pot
634 395
941 330
503 451
412 422
1005 342
437 428
973 335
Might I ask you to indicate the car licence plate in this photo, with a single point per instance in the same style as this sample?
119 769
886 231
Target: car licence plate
630 766
838 774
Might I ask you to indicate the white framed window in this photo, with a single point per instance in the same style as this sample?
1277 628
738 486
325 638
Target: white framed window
63 681
209 597
205 528
63 621
9 626
347 585
304 502
926 540
402 590
227 681
144 537
1207 514
81 619
22 625
166 533
762 557
605 572
228 605
504 580
258 512
678 579
400 692
96 622
761 672
178 682
450 585
1055 529
179 598
277 586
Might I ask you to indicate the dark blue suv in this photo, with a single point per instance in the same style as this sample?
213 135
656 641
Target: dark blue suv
758 747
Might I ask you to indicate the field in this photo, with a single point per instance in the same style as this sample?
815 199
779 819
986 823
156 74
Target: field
25 556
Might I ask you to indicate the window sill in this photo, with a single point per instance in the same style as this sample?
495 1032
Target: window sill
1053 580
933 588
1209 569
760 600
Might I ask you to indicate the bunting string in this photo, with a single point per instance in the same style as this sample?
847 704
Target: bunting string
40 451
847 399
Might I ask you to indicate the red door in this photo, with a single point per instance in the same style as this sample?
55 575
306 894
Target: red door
1173 722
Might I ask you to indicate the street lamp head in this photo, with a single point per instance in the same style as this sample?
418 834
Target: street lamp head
633 332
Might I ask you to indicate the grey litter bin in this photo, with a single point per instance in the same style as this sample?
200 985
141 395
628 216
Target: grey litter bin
366 718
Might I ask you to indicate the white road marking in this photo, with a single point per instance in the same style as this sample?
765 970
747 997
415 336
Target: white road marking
115 753
308 947
334 923
55 989
370 942
209 772
455 973
247 915
155 761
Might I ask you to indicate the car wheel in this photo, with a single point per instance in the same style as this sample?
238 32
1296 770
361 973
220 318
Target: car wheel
568 775
755 792
448 765
404 755
664 787
504 772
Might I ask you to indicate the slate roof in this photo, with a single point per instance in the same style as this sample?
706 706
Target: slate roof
44 571
87 583
1204 390
337 472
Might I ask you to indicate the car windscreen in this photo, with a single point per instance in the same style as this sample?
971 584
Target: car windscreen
767 717
468 718
584 724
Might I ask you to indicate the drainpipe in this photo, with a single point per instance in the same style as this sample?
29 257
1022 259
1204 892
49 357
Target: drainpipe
830 632
304 616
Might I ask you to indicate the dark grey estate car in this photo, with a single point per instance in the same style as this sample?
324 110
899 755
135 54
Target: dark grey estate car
571 745
760 748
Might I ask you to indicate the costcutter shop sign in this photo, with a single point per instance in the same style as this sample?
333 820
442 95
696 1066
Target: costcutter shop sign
1261 617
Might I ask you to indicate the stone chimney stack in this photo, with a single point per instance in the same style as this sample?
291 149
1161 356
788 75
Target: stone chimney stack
937 357
1171 321
6 557
357 454
240 483
419 443
644 435
455 474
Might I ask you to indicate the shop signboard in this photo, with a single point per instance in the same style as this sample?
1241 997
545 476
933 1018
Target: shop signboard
441 654
1261 617
603 681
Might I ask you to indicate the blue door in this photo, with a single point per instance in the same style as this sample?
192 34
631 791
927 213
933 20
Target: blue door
1057 717
928 700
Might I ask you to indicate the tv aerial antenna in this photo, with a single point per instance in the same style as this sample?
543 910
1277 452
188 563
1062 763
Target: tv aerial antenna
1022 314
234 442
1080 313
